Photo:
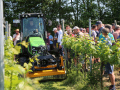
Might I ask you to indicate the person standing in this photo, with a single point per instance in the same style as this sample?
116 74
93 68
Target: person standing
116 33
48 42
109 27
16 36
55 37
113 28
109 68
86 34
51 41
77 31
99 27
78 34
67 28
87 29
69 32
60 36
94 34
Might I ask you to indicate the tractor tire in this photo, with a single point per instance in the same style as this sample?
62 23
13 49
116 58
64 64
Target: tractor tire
22 60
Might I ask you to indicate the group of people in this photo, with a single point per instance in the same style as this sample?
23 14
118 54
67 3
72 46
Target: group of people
56 41
105 32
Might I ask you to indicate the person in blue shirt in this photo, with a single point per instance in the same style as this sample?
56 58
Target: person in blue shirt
51 41
109 68
109 27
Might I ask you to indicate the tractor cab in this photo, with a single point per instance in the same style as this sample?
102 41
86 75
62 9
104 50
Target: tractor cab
32 24
33 31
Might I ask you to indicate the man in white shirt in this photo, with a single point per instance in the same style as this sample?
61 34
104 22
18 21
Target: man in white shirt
60 35
16 36
55 37
94 34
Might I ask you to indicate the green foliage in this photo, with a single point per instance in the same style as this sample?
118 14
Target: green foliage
15 75
83 80
84 45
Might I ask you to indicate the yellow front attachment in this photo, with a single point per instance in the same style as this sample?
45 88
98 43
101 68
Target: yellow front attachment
45 73
48 72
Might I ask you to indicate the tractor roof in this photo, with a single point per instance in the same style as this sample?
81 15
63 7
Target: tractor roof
31 15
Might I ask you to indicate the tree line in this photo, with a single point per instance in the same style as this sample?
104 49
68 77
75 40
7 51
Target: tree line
74 12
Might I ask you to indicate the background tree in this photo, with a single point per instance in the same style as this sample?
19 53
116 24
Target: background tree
74 12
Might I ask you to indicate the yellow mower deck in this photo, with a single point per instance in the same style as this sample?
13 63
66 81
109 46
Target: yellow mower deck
51 72
45 73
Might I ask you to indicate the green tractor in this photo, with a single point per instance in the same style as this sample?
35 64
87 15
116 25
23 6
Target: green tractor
33 31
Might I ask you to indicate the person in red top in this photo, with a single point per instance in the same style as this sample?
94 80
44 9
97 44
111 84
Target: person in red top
87 29
67 28
69 32
48 41
116 33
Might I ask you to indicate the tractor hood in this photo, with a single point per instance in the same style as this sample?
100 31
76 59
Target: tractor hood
36 41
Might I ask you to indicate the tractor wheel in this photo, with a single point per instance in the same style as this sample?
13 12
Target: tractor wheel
22 60
58 66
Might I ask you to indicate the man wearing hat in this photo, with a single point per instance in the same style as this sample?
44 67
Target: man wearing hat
99 27
78 34
16 36
77 31
109 69
55 37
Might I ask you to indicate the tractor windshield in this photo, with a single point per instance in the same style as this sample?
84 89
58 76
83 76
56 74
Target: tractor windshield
32 25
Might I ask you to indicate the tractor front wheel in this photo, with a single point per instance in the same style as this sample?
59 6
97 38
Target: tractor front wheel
22 60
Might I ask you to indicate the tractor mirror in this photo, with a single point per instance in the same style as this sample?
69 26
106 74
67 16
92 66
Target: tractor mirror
16 22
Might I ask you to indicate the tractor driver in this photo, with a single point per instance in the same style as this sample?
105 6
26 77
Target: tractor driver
30 27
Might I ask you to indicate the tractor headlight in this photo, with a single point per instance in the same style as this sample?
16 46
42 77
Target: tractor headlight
42 48
33 48
33 52
39 51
